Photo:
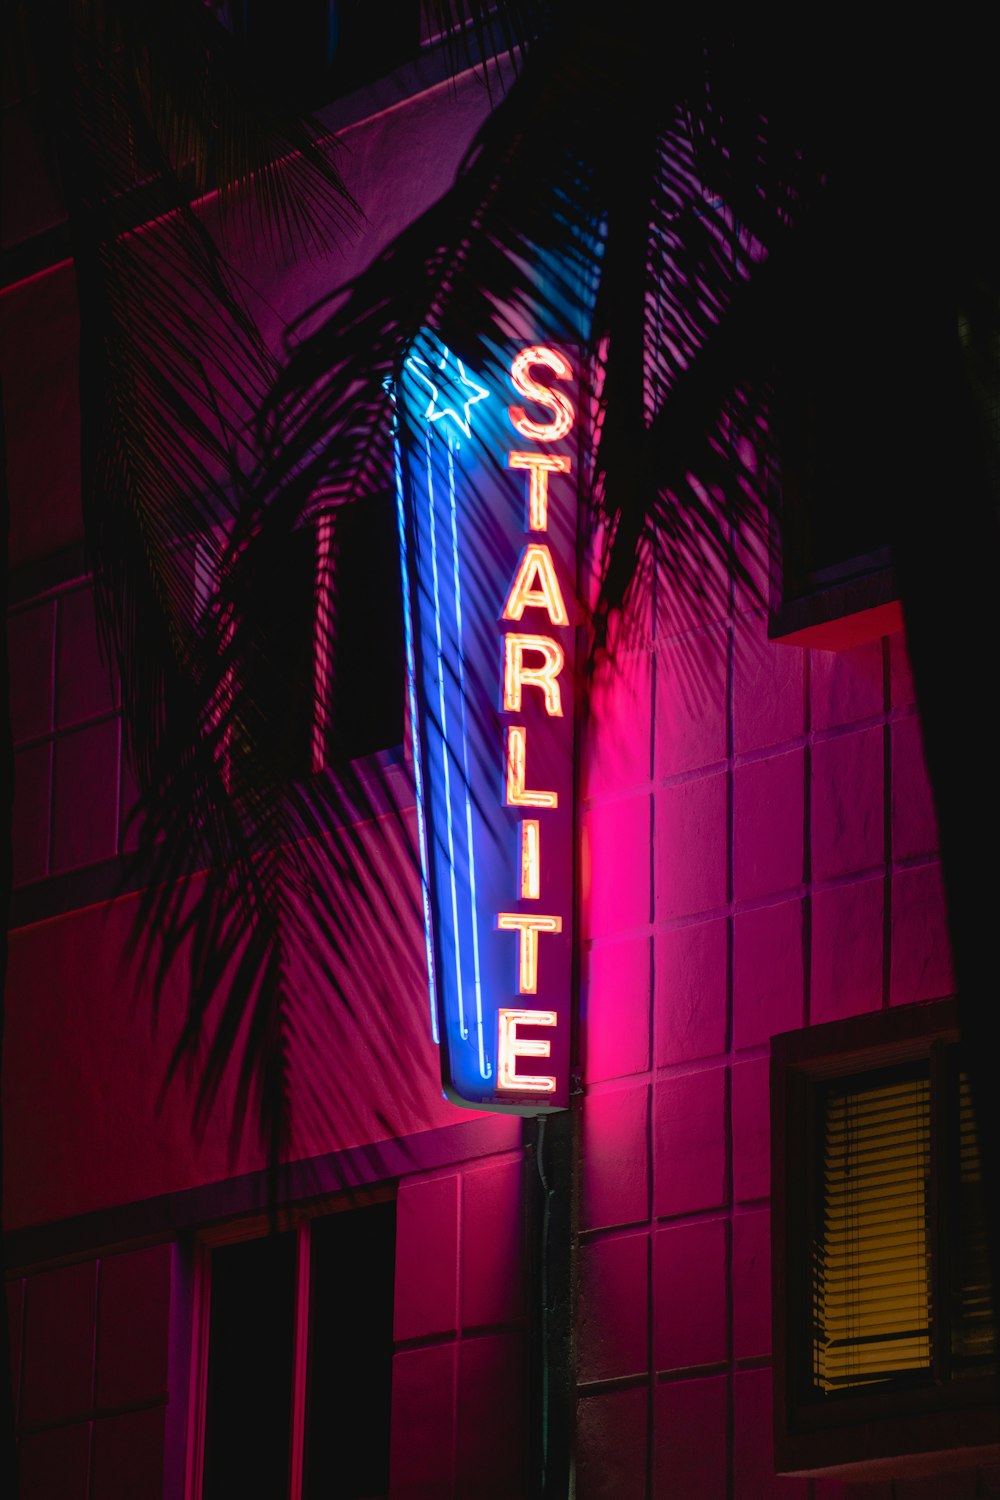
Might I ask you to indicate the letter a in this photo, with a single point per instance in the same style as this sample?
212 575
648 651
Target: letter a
536 586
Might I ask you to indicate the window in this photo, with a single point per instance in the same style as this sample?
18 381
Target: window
292 1372
316 50
832 584
359 663
330 687
884 1328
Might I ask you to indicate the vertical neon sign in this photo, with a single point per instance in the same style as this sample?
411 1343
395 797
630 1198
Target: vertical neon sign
487 512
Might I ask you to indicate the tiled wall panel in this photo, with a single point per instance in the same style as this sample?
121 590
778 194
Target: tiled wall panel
68 764
795 881
460 1371
759 851
93 1377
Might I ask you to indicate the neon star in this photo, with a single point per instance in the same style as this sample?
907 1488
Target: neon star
451 395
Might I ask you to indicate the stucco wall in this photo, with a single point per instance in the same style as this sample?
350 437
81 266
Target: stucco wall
758 852
762 854
80 1029
89 1128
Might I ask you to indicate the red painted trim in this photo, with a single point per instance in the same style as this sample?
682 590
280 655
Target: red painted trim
848 630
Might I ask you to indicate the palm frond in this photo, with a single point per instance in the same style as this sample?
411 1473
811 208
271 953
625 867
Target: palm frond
669 212
540 187
545 230
172 368
209 98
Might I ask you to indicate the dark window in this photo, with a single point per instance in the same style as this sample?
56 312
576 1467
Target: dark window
882 1297
250 1365
350 1354
282 680
327 678
360 679
298 1379
315 50
835 482
835 523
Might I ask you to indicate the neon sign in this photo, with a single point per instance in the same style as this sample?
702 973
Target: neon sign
487 516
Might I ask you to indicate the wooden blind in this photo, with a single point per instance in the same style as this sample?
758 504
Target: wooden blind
871 1274
881 1138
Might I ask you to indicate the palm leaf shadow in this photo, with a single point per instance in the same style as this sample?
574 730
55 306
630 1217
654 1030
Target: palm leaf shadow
670 211
676 213
540 186
172 365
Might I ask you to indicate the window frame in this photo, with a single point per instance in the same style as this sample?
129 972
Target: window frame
837 613
848 595
853 600
901 1431
296 1218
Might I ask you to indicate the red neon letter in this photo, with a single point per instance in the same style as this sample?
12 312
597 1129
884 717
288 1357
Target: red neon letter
516 675
540 466
559 404
510 1047
517 794
536 586
527 949
531 859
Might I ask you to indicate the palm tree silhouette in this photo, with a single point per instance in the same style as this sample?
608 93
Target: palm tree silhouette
692 205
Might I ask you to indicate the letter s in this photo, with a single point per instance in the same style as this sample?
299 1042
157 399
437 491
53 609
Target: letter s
557 402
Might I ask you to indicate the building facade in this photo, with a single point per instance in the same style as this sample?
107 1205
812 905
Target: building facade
756 858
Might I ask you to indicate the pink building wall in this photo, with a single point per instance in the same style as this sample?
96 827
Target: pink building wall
758 852
763 855
74 793
103 1400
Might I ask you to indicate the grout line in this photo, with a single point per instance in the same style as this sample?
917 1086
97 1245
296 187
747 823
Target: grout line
807 862
94 1355
730 1034
50 842
887 825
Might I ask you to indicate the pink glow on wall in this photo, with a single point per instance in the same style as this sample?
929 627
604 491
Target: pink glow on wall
757 850
736 881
